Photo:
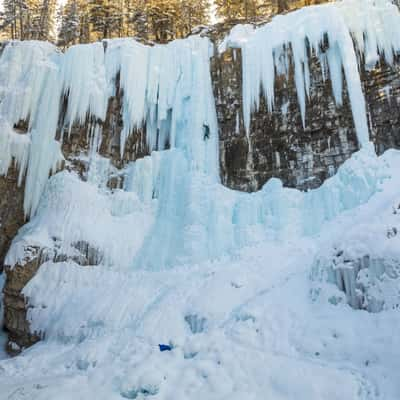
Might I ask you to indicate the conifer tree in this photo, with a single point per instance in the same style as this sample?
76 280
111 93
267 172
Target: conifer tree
162 16
231 10
15 18
192 13
106 18
69 24
42 20
84 21
137 20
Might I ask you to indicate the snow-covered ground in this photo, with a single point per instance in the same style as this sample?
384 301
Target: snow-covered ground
255 324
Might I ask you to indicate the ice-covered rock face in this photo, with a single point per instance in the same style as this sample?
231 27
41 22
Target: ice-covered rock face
303 145
158 103
284 65
160 85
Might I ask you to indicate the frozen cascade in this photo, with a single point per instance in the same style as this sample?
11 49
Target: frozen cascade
167 89
239 319
29 83
163 85
177 105
374 26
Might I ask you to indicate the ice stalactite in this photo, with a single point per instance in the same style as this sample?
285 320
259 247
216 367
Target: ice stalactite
369 28
130 59
83 77
45 152
13 147
30 91
166 90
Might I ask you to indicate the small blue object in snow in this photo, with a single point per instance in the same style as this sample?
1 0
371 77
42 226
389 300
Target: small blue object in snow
165 347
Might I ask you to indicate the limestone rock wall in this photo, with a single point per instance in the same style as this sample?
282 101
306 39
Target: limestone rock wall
11 211
382 92
16 306
277 145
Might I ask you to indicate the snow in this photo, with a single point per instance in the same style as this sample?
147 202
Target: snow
237 305
374 25
72 211
249 289
262 334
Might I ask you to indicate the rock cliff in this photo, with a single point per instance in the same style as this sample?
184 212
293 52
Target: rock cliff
277 145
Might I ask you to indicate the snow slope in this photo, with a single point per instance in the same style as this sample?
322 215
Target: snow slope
245 325
239 285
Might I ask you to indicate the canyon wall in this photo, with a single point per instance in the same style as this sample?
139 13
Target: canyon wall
277 145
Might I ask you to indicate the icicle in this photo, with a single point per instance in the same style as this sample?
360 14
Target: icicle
306 29
334 61
130 59
45 152
84 81
13 146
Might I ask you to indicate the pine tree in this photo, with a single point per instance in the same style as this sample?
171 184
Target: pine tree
282 5
106 18
69 23
84 21
14 18
137 19
162 15
250 10
28 19
192 13
230 10
169 19
8 19
42 20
